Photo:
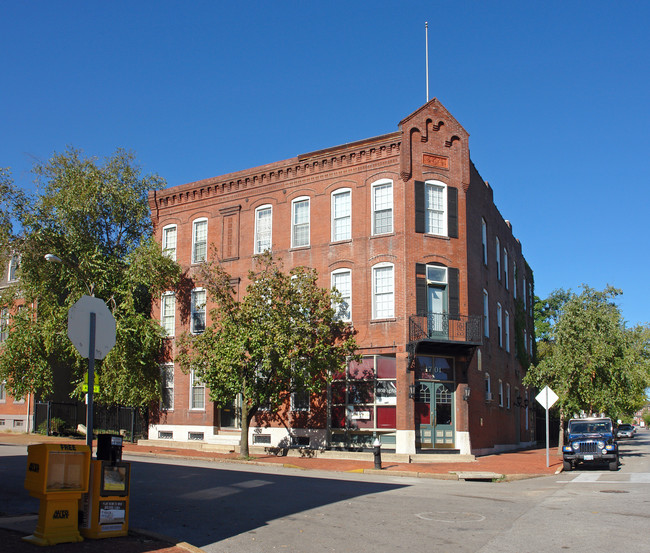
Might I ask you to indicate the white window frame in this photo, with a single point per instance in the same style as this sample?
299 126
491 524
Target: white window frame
488 387
168 250
196 384
195 243
430 210
195 311
346 297
500 393
505 268
500 324
486 314
168 320
167 370
484 240
14 262
498 252
387 313
524 295
343 219
375 210
507 329
507 396
4 324
262 242
296 407
298 227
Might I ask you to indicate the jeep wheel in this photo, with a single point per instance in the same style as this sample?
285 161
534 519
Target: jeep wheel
566 465
613 465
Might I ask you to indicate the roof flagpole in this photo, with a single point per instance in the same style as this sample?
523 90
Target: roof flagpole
426 39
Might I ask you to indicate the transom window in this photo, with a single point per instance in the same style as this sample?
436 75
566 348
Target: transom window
435 199
382 207
341 215
263 227
199 240
300 222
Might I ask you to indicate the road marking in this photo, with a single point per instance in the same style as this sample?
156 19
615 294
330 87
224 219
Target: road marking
595 478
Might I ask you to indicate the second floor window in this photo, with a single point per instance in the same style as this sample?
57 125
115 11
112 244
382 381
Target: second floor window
169 242
341 215
199 241
300 223
484 240
198 312
342 281
383 292
197 392
167 386
168 313
382 207
4 325
263 218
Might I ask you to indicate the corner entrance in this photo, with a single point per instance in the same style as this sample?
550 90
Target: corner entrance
434 415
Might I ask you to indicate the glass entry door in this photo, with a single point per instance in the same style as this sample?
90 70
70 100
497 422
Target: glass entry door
434 412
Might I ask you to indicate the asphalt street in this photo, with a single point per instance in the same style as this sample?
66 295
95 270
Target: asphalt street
227 507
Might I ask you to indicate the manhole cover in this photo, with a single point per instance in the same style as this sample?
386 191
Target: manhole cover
614 491
451 516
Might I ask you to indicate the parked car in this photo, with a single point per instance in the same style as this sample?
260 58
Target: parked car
625 431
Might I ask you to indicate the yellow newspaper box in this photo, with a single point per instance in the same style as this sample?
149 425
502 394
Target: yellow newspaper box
105 508
57 474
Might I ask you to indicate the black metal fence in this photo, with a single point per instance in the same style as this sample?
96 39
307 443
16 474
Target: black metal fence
64 418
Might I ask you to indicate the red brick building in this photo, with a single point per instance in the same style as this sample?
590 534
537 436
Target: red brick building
436 284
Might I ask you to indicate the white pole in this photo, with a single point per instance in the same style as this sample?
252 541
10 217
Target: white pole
547 462
426 37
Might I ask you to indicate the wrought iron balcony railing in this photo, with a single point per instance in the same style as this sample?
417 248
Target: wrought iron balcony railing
443 327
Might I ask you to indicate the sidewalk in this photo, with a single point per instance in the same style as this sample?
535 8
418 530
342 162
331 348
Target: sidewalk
501 467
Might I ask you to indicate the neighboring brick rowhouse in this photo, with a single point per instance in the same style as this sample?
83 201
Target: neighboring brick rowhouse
399 221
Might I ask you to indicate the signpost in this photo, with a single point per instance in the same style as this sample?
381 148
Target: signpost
91 329
546 398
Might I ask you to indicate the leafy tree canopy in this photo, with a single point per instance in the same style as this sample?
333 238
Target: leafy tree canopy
94 216
592 361
284 335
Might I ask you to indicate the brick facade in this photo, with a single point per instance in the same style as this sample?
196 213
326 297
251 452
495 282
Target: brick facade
416 207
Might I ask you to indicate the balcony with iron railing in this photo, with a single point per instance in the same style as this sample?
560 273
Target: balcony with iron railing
445 327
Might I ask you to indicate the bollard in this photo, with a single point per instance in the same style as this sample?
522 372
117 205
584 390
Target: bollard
377 453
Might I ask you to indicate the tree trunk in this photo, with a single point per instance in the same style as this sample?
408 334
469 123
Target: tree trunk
243 441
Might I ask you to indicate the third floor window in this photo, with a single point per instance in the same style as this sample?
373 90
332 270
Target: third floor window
263 227
341 215
199 240
382 207
300 223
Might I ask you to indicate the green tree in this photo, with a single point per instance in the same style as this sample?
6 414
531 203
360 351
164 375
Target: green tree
590 359
94 216
282 336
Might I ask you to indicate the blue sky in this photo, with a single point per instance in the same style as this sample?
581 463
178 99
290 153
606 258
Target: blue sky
555 96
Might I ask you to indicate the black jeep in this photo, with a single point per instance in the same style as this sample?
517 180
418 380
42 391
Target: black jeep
590 441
